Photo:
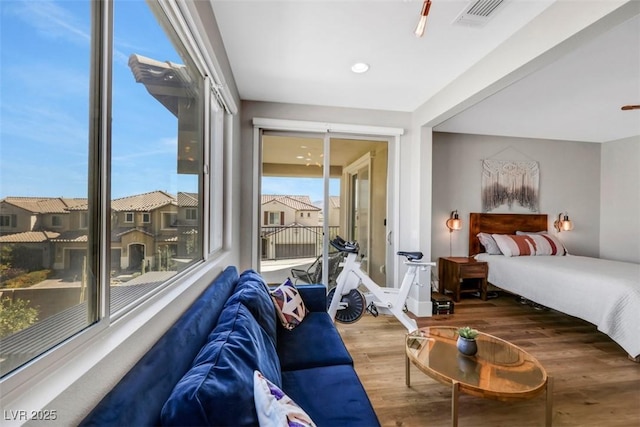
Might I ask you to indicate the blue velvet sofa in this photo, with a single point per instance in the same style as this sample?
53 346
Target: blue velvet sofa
200 372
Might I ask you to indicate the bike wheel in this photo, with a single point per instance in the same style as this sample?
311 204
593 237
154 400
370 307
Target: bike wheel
356 305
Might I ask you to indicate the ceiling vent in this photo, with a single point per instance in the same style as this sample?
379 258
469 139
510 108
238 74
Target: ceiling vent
478 12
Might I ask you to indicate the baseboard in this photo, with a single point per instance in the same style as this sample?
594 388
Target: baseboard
420 308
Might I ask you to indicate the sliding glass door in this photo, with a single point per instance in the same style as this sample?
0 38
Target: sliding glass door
312 188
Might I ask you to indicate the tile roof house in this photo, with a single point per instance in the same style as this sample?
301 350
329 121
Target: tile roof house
142 225
291 226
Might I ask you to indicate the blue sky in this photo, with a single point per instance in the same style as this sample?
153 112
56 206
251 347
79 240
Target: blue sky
44 87
311 187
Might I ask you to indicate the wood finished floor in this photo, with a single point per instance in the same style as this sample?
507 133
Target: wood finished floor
595 384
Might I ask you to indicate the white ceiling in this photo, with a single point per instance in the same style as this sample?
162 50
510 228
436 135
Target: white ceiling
301 52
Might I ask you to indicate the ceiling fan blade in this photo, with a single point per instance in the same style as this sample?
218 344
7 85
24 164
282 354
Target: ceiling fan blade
630 107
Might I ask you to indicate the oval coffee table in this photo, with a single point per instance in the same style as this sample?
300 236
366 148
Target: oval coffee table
500 370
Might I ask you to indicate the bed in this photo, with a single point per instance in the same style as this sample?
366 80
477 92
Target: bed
603 292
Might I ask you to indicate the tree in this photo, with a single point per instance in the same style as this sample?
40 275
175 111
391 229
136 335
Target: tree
16 315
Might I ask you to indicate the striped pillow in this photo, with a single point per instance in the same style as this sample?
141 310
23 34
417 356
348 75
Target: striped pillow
546 244
512 245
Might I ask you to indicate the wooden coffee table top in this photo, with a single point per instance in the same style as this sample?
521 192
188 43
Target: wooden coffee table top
500 370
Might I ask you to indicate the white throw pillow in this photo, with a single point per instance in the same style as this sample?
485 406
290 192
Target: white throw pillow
274 407
489 243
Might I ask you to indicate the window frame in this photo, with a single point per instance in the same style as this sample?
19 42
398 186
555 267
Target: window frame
168 298
126 217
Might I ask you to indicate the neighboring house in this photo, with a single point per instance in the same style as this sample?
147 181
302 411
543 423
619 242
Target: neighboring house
20 214
35 222
291 227
144 229
285 210
188 225
334 211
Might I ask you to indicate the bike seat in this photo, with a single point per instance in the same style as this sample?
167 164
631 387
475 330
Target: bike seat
411 256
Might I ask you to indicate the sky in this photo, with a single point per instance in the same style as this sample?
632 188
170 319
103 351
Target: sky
44 108
311 187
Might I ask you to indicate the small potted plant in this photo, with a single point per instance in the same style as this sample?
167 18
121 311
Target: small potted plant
467 341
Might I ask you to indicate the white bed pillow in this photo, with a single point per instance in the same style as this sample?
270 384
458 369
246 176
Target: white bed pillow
489 243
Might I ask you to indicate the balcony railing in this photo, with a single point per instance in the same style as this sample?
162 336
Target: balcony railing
286 241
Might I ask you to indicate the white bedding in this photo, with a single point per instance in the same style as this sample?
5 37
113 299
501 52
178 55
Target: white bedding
605 293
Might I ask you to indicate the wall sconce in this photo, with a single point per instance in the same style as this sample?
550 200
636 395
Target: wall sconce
454 222
563 223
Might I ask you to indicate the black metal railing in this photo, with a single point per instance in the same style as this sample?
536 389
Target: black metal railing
293 241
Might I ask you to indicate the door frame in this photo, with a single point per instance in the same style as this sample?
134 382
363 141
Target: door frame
350 171
332 130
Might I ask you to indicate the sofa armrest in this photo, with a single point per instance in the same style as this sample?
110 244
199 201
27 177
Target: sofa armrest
314 296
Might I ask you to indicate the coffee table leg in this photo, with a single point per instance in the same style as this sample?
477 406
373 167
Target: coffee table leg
548 416
455 393
407 375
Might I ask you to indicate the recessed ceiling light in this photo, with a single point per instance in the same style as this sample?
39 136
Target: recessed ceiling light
360 67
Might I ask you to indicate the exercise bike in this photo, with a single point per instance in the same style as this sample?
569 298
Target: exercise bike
347 303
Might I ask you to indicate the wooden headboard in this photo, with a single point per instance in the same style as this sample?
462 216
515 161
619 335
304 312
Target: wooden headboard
501 224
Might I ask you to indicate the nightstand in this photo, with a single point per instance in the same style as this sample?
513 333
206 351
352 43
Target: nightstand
461 275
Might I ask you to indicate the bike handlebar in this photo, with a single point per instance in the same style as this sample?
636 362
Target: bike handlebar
343 246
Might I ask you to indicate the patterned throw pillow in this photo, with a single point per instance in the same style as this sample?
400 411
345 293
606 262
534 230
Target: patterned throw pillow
512 245
275 408
289 305
546 244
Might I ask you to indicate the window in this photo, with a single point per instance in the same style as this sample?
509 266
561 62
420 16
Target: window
84 220
274 218
164 114
5 220
56 221
301 214
47 122
169 220
158 102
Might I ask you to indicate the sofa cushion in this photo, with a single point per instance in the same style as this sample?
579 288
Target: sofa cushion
314 296
331 395
218 389
289 305
152 379
315 342
274 407
253 293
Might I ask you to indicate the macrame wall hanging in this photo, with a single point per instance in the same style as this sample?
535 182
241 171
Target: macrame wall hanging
510 186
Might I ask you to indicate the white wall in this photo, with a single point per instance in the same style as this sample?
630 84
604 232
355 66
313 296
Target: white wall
620 200
569 181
